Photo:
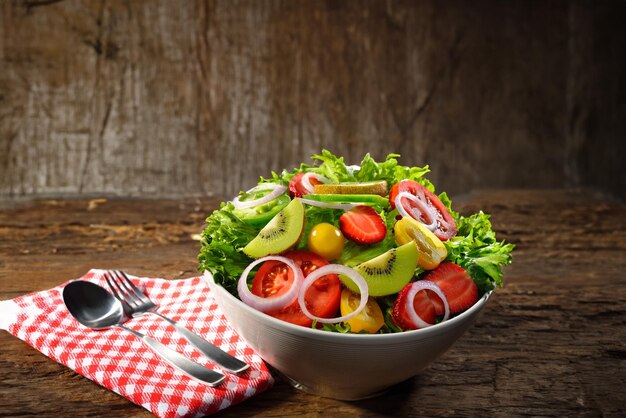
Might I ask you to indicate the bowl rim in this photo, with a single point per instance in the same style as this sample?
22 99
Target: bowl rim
349 337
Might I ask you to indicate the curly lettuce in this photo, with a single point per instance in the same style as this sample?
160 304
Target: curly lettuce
475 247
222 242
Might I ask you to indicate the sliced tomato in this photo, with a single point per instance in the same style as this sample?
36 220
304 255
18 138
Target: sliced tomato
322 298
296 188
446 228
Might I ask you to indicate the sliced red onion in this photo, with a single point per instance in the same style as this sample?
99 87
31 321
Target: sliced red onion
306 181
277 190
275 302
333 269
410 307
425 209
329 205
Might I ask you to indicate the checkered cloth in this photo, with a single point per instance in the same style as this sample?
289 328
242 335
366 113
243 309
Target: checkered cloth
120 362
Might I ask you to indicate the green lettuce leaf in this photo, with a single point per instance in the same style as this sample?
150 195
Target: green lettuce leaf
476 249
326 164
333 167
222 242
390 171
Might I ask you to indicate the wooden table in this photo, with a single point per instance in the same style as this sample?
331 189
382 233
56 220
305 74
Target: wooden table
551 342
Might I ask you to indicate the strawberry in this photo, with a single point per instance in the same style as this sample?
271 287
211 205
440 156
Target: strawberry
363 225
424 308
458 286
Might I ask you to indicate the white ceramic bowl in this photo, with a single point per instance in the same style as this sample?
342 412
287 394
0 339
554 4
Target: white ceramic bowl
340 366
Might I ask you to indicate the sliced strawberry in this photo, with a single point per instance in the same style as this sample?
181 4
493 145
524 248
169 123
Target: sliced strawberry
456 283
363 225
422 304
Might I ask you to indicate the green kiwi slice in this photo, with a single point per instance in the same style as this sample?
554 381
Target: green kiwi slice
389 272
281 232
366 187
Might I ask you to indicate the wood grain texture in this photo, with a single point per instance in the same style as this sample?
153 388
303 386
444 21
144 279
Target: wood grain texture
161 98
551 342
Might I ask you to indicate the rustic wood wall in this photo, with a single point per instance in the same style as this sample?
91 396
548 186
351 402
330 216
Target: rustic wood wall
180 98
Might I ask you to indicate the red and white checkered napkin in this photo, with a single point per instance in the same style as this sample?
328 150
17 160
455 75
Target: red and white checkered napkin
119 361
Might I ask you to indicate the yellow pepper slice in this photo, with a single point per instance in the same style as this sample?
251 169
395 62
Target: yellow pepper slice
369 320
431 249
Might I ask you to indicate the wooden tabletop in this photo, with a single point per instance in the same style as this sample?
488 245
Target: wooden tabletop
551 342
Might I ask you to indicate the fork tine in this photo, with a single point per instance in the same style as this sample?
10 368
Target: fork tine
106 277
129 295
113 288
118 291
131 286
127 308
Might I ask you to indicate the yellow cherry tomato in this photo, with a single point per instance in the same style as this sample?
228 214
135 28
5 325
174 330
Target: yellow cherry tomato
326 240
430 248
369 320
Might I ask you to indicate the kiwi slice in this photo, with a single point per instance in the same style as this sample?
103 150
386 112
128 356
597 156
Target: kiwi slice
365 199
367 187
281 232
389 272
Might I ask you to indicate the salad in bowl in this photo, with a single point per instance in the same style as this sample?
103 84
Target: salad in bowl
352 249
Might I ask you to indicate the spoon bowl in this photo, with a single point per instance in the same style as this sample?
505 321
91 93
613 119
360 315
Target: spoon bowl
92 305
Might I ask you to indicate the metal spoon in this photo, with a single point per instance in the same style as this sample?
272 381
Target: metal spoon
96 308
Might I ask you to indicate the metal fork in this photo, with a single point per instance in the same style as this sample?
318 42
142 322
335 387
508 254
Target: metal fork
139 304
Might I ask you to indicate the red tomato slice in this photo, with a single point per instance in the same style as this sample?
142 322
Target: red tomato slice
322 298
446 228
423 307
296 188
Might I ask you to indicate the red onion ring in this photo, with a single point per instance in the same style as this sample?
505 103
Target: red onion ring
416 287
425 209
277 190
333 269
329 205
306 181
275 302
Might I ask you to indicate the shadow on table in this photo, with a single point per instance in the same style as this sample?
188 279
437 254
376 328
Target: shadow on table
393 402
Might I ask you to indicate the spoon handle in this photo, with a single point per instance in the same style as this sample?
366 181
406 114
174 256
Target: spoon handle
228 362
182 363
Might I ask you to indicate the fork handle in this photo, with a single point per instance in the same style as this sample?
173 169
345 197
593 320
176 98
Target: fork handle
182 363
228 362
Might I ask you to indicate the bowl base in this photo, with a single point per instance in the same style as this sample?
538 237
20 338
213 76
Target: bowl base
331 394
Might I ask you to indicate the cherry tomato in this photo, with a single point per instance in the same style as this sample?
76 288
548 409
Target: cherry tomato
369 320
446 228
322 298
296 188
326 240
